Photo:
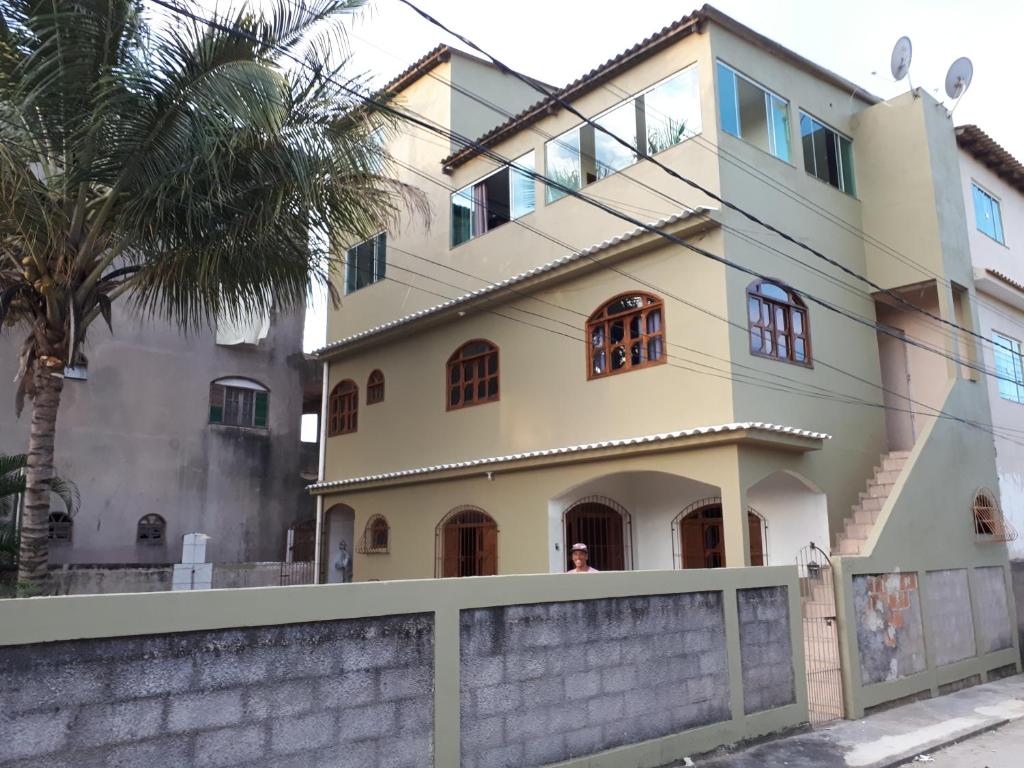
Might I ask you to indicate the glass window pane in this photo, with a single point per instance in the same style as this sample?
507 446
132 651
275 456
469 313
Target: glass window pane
773 291
609 155
618 358
799 350
780 128
997 221
636 353
798 322
727 109
753 309
597 336
846 158
492 387
562 161
672 110
634 326
599 362
753 114
523 187
655 346
807 139
462 215
493 192
654 321
755 339
832 157
618 331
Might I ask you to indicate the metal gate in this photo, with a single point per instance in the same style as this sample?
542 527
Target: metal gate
821 635
300 572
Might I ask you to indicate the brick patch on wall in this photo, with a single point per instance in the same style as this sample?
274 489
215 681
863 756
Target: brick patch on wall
544 683
356 693
766 653
890 638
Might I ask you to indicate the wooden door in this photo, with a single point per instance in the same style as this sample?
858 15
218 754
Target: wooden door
469 545
702 536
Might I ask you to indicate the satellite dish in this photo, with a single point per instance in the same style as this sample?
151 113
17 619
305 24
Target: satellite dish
900 61
958 79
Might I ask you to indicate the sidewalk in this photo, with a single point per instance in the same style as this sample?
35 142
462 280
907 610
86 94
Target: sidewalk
888 738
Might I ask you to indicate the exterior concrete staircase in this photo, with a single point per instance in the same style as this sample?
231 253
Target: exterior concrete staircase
859 524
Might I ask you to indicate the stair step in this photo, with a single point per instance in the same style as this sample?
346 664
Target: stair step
849 546
886 477
871 503
857 530
893 465
880 490
898 454
864 516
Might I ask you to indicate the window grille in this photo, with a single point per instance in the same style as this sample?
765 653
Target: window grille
698 536
152 530
466 544
989 523
343 409
59 531
376 536
239 402
605 526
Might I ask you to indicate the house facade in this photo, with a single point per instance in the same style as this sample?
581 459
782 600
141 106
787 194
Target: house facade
167 434
993 187
598 341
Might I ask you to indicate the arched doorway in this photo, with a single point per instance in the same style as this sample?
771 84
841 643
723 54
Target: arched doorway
701 536
466 544
603 525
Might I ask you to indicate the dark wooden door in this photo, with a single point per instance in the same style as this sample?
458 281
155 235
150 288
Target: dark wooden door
600 528
703 539
304 541
470 546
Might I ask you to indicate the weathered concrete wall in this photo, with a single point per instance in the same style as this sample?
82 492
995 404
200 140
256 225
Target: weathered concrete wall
1017 575
890 636
948 615
766 653
543 683
993 609
109 580
353 693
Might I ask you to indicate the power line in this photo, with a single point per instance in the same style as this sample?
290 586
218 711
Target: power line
554 96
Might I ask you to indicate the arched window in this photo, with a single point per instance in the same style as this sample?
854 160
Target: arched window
375 388
466 544
778 324
473 374
343 409
604 526
625 334
59 531
152 530
699 536
376 536
239 402
989 523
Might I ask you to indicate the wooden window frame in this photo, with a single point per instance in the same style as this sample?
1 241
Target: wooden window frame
369 545
601 319
375 387
150 524
343 409
794 304
457 362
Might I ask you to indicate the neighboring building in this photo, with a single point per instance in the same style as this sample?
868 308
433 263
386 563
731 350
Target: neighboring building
167 434
584 378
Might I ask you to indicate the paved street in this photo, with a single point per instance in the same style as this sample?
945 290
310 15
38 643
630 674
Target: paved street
1001 748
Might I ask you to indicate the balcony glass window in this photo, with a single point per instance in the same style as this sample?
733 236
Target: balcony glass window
497 199
1009 367
752 113
654 120
828 155
987 214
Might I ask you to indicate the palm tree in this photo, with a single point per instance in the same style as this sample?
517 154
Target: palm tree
12 485
180 166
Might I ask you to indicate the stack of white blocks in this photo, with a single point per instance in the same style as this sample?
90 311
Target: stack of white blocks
193 572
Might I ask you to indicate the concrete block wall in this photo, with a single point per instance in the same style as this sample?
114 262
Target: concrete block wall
993 609
948 613
354 692
766 653
549 682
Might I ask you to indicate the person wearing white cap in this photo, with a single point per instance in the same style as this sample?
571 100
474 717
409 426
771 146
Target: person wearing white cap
579 556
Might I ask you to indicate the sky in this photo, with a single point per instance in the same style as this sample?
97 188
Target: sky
558 40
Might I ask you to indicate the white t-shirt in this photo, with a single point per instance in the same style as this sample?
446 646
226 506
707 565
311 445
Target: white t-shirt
590 569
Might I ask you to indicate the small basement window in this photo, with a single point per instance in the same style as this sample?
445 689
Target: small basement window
59 530
239 402
375 536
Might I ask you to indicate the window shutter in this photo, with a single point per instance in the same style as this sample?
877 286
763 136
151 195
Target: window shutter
350 270
756 542
450 551
380 255
216 404
692 532
260 415
489 561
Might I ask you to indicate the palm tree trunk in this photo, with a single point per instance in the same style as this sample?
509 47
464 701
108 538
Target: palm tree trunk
33 559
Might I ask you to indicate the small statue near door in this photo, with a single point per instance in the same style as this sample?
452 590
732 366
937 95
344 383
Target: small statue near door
343 565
